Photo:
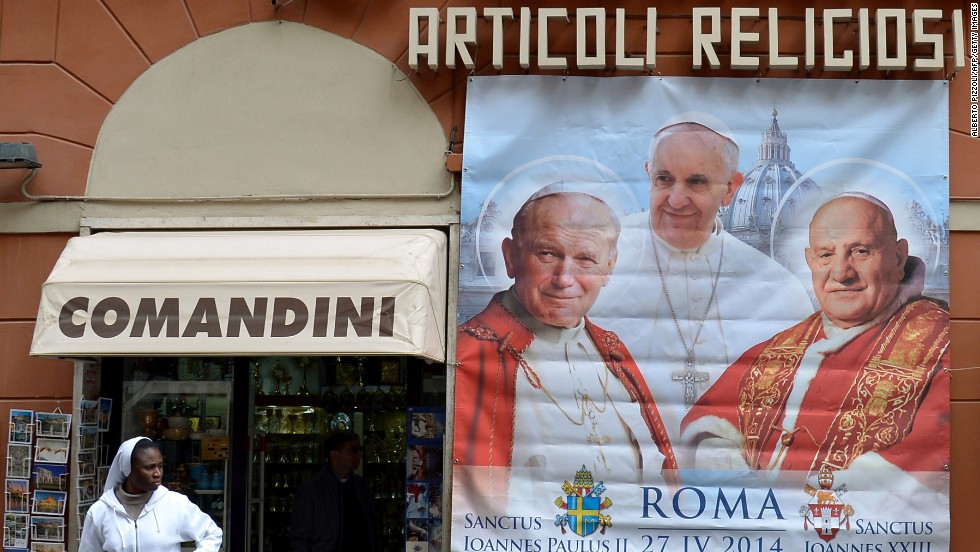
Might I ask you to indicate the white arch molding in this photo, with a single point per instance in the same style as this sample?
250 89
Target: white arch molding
269 109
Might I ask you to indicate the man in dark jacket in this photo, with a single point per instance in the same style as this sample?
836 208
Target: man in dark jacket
335 510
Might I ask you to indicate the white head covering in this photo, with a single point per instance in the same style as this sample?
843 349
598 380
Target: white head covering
700 118
704 120
122 464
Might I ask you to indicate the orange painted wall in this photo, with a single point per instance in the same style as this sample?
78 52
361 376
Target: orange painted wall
64 63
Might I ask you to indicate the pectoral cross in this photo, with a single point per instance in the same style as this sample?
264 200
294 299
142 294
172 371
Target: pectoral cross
690 378
594 438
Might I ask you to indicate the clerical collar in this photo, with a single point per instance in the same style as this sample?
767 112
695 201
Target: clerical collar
843 336
541 331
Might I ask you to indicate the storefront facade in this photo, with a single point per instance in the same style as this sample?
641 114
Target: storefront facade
261 416
256 120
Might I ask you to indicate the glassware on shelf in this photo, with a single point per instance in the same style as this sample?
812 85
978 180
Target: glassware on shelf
304 365
277 423
396 437
329 399
309 422
390 371
346 374
346 400
368 398
149 418
359 371
383 398
398 397
257 381
262 420
372 446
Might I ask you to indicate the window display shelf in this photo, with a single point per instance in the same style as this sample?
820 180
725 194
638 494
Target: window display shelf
190 421
136 391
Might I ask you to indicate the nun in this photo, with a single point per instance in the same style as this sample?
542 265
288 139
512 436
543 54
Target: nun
137 514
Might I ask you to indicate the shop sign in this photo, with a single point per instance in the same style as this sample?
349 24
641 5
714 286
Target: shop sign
884 38
248 293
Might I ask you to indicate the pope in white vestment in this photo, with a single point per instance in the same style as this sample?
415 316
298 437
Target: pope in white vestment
755 298
688 298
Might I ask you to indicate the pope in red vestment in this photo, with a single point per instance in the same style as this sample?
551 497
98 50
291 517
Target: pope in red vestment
863 383
489 356
865 397
535 378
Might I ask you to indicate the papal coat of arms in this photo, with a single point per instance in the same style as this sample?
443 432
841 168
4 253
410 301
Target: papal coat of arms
583 505
825 511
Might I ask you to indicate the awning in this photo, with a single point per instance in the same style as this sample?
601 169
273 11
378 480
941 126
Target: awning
344 292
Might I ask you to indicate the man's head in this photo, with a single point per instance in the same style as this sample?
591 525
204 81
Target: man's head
693 172
856 259
344 451
560 255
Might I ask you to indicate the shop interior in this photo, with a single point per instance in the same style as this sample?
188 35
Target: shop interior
240 434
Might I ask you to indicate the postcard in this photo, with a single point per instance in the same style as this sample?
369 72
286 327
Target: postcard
53 424
426 424
15 530
86 490
51 477
101 474
44 528
51 450
82 512
21 426
89 411
105 410
47 547
50 502
86 464
18 461
18 496
88 437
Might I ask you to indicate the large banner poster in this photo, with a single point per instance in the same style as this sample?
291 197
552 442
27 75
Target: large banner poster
703 315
